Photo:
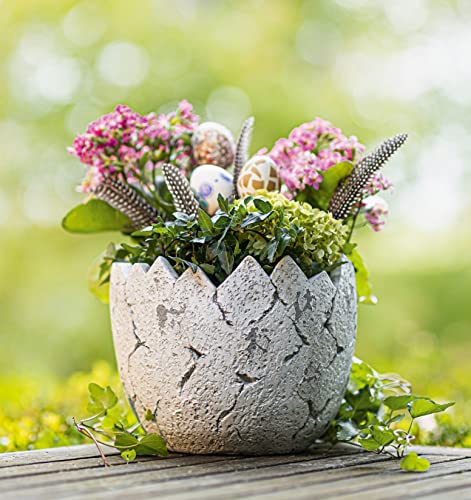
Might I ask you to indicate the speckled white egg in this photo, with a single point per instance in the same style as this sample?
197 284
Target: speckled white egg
213 144
260 172
208 181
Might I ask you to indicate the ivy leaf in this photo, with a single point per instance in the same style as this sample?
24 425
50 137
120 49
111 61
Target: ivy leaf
396 418
152 444
413 463
101 399
424 406
128 455
95 216
364 289
382 436
369 444
399 402
125 440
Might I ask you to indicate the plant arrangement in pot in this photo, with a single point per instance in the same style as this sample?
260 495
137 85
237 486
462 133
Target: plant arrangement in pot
233 293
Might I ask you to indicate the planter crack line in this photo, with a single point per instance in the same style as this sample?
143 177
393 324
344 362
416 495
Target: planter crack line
226 412
194 352
186 376
292 355
221 309
247 379
328 327
139 342
301 335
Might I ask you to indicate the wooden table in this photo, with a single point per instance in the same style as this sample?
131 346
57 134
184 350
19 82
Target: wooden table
339 472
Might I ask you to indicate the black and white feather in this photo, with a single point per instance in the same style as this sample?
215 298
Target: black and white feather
125 199
242 149
349 192
179 187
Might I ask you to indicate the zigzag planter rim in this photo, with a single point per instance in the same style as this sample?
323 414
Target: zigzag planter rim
225 368
164 263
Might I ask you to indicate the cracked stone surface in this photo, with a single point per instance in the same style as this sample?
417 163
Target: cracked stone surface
258 365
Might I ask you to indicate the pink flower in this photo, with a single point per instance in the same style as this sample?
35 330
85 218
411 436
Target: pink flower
311 149
378 183
115 143
375 209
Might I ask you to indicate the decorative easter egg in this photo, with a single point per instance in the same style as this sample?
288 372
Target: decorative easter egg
213 144
260 172
208 181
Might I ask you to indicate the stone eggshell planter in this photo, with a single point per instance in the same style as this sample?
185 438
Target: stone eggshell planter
257 365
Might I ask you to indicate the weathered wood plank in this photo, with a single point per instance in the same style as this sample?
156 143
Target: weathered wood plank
341 472
336 484
443 486
23 471
52 455
38 467
278 482
242 469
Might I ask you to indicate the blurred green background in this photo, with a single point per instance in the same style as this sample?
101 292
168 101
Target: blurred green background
373 68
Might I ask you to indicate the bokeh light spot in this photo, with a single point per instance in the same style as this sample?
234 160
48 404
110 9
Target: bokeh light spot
83 24
123 64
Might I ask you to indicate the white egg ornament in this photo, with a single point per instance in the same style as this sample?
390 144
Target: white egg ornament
260 172
213 144
208 181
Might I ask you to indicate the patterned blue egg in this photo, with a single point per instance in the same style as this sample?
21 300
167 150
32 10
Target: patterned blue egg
208 181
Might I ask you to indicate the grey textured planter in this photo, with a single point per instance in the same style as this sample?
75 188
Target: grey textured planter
257 365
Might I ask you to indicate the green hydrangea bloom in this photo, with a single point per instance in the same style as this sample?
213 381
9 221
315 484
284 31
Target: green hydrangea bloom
322 238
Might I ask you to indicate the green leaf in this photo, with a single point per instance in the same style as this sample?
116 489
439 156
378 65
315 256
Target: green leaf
331 179
382 436
205 221
99 275
191 265
125 440
369 444
101 399
399 402
223 203
262 205
149 416
128 455
424 406
208 268
152 444
413 463
225 257
95 216
364 289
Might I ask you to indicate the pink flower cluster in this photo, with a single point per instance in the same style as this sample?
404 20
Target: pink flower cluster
132 146
376 209
311 149
378 183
